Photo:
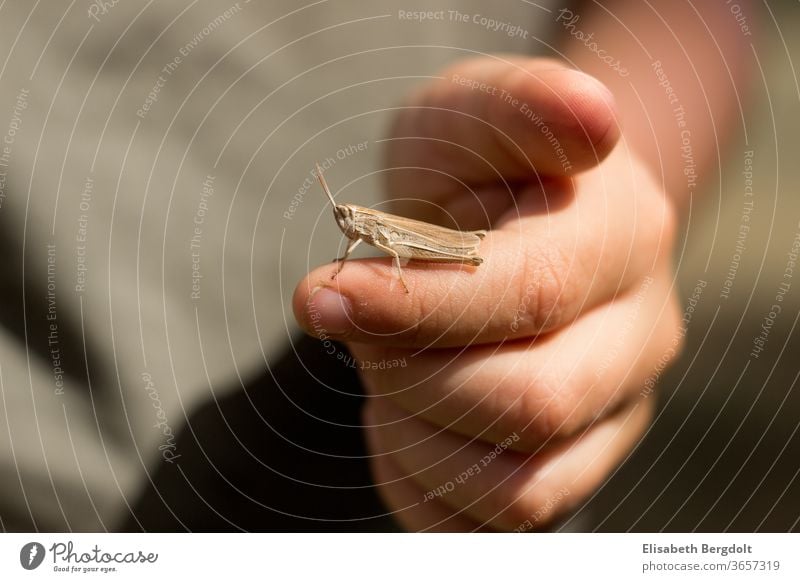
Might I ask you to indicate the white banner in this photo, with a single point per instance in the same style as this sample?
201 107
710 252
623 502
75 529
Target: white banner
402 557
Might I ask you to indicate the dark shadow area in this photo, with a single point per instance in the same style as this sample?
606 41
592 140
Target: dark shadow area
284 454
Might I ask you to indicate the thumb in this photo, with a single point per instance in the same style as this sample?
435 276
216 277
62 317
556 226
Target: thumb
493 119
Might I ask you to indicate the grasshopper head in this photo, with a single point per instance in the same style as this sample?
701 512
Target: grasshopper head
345 218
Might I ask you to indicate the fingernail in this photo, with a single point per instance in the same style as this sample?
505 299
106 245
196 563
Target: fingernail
328 312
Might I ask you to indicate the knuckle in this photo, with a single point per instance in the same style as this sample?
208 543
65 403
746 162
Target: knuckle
559 415
545 283
547 409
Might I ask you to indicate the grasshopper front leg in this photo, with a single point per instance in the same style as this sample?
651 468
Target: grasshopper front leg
350 246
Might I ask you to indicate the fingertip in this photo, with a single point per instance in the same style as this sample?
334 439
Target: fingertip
367 302
595 113
321 310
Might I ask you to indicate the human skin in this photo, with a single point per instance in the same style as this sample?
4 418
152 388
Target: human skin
552 339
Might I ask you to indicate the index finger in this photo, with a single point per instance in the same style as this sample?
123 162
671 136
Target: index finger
540 272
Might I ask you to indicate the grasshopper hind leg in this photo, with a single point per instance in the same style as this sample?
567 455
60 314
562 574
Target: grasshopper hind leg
393 253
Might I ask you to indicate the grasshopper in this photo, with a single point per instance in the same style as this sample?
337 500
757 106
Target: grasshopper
402 237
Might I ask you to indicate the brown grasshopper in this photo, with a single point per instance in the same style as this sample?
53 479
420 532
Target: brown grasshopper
402 237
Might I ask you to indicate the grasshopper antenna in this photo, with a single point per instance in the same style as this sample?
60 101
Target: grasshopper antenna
324 185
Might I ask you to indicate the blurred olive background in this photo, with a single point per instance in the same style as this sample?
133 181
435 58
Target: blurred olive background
724 451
